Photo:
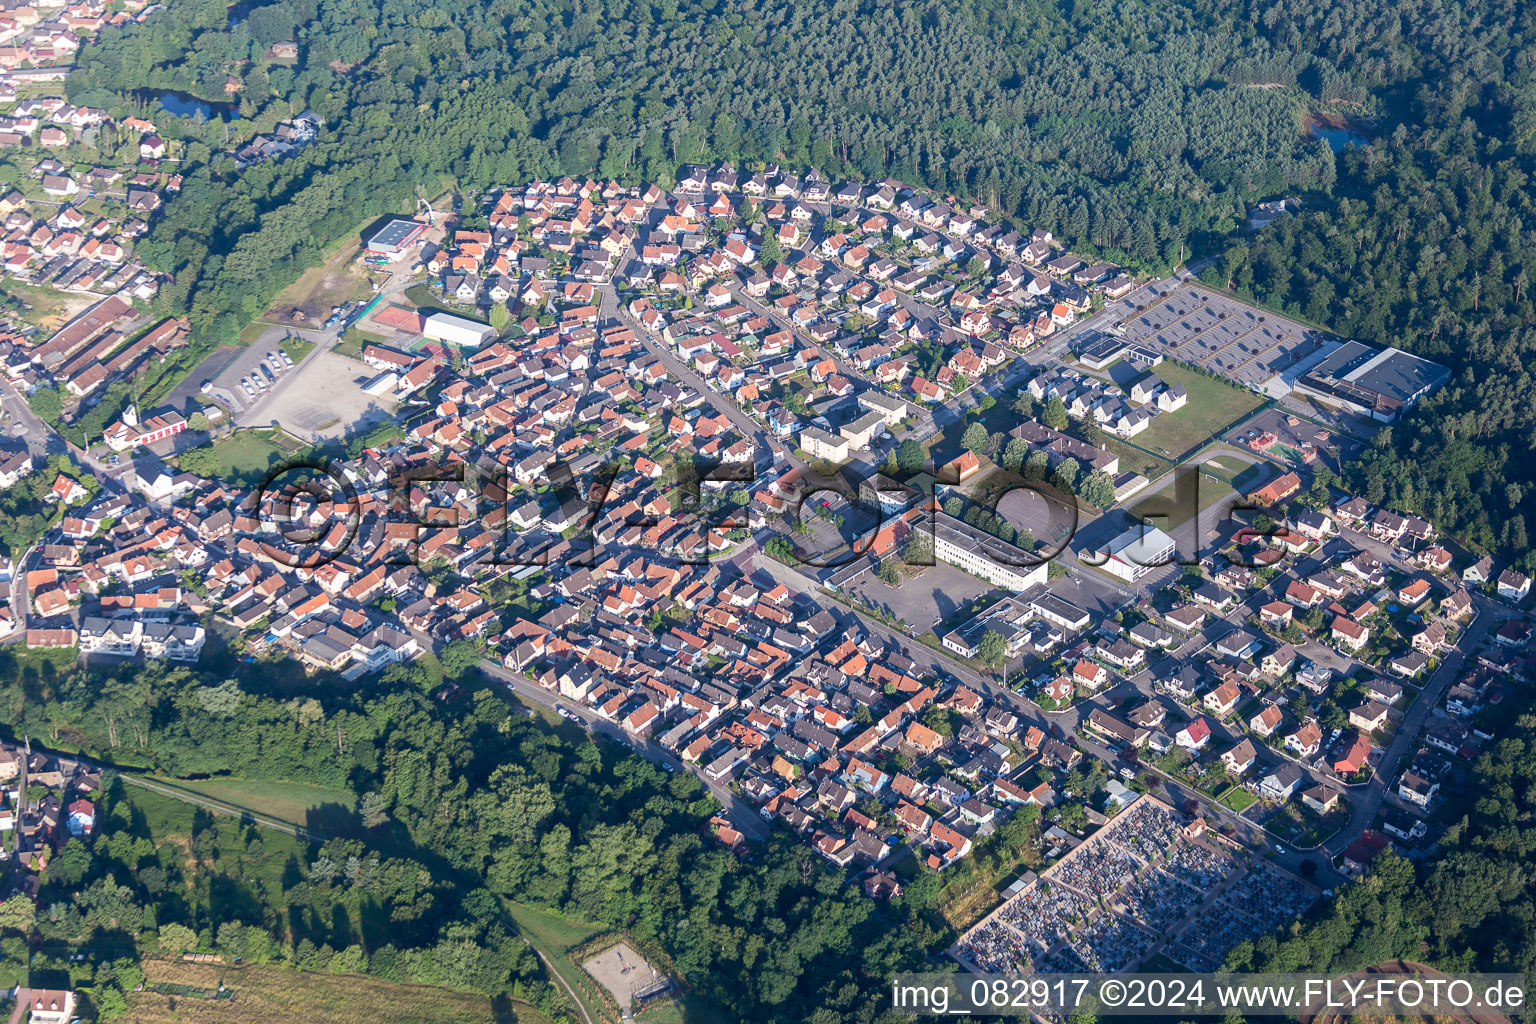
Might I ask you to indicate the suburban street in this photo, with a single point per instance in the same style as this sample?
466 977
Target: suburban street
741 814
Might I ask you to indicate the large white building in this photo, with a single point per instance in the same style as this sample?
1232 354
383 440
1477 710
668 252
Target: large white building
1134 553
981 554
456 330
819 444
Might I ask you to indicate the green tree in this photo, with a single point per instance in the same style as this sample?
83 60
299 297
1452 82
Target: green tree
46 404
919 548
371 810
1015 454
18 913
770 252
974 439
1055 415
1066 473
176 939
459 657
910 456
992 650
1098 488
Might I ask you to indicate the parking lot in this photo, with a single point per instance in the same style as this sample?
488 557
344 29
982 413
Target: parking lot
937 592
245 366
1196 325
327 400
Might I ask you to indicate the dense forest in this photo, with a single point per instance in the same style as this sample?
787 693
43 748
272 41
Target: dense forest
1131 129
1430 247
1137 131
472 804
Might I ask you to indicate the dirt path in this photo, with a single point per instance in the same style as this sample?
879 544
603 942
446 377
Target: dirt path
550 967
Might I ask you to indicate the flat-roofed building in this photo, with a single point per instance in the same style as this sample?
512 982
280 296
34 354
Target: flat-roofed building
395 237
1379 383
456 330
1136 552
981 554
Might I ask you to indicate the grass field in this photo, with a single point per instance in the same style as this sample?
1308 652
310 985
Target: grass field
1178 502
339 279
1133 460
287 801
1239 800
297 347
352 343
1213 406
420 296
247 454
278 995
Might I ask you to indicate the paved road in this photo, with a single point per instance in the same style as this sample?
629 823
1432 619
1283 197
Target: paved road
741 814
1405 740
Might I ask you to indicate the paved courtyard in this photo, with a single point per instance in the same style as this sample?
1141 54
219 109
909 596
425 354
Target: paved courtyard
937 592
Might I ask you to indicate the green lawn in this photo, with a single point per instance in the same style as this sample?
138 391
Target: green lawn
1133 460
1239 800
253 330
281 995
297 347
421 296
1213 406
247 454
685 1008
286 801
1178 502
352 343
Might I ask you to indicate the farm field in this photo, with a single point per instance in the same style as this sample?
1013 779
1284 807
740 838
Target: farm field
1213 406
278 995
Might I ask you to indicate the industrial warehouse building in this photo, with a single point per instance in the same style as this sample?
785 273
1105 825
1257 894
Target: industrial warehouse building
395 237
456 330
1375 383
